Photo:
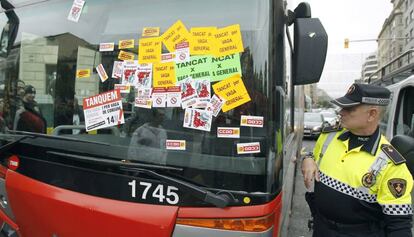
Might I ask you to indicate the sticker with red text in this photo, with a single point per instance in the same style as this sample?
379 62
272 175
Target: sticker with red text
174 96
124 89
248 148
167 57
182 52
159 97
106 47
188 92
101 72
197 119
175 145
143 98
103 110
129 72
228 132
251 121
203 90
144 76
215 105
76 10
117 69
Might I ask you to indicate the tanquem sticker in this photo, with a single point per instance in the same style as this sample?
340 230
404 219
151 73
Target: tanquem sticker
103 110
175 145
248 148
228 132
251 121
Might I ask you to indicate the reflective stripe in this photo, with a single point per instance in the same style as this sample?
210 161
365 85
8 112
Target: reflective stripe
360 194
394 209
325 145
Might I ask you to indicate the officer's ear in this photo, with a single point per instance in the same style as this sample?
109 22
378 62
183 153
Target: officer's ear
373 113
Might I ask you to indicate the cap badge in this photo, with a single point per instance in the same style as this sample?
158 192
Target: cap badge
351 89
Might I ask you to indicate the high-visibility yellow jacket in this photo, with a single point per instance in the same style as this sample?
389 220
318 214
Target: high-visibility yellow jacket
369 183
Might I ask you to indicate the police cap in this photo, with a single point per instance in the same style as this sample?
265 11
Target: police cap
364 94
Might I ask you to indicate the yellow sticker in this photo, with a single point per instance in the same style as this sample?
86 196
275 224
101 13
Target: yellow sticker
149 50
228 40
177 33
83 73
164 74
126 44
233 91
202 40
126 56
151 31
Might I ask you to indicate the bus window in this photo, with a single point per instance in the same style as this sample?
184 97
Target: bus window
405 112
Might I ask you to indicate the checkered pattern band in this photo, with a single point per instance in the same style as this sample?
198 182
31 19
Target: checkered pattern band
346 189
375 101
402 209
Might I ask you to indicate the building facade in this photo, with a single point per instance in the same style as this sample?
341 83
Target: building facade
392 38
369 67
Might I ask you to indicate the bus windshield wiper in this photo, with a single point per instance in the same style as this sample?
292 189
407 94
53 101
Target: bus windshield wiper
116 163
219 200
32 135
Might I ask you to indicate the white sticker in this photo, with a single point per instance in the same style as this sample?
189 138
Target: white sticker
129 72
251 121
144 76
106 47
175 145
117 69
143 98
101 72
167 57
215 105
174 96
188 92
146 104
76 10
197 119
228 132
124 89
248 148
182 52
159 97
203 90
103 110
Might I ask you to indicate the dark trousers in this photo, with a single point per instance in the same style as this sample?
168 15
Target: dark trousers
325 228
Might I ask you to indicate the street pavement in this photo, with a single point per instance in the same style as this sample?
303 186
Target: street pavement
298 225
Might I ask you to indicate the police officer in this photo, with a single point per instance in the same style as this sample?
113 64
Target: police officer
362 183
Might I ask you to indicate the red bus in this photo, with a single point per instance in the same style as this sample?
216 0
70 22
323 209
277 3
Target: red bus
152 118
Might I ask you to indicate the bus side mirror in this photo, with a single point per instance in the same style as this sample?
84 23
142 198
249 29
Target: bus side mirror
309 53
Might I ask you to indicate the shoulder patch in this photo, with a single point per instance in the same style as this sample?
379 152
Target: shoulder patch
397 187
330 129
393 154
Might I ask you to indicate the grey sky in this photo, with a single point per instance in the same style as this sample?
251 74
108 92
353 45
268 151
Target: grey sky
353 19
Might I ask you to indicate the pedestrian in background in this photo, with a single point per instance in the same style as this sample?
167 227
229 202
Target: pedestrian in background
362 183
28 117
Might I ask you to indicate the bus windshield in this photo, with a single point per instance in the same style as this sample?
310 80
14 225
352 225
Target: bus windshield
88 71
